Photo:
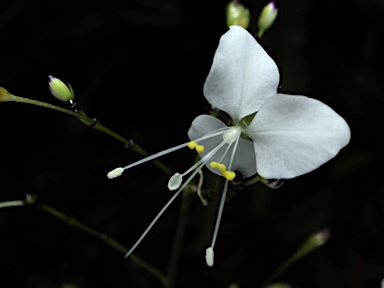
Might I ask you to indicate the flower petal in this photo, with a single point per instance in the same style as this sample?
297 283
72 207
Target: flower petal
242 76
244 161
294 135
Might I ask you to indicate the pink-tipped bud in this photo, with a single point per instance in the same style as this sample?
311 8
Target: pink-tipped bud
60 90
267 17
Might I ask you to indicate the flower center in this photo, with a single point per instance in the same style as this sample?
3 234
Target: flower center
231 135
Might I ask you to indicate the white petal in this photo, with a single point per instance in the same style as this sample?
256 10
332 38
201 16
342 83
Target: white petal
242 76
244 161
294 135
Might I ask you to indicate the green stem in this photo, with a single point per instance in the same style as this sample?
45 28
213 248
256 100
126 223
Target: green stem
92 123
107 240
281 269
314 241
133 146
252 181
19 99
90 231
11 204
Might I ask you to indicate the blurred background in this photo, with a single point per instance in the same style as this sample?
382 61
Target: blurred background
139 67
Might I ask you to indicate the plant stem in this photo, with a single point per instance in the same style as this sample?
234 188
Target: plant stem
106 239
133 146
90 231
11 204
19 99
179 237
252 181
92 123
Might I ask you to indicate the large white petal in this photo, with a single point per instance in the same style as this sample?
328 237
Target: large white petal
294 135
242 75
244 161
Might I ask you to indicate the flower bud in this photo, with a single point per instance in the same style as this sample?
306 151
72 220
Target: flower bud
4 95
267 17
313 242
60 90
237 14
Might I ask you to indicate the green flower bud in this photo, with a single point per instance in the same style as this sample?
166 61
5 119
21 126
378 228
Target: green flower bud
237 14
267 17
60 90
313 242
4 95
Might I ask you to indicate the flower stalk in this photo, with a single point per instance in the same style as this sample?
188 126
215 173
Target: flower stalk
71 221
314 241
91 122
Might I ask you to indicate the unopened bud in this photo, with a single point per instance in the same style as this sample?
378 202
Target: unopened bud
238 15
313 242
60 90
4 95
267 17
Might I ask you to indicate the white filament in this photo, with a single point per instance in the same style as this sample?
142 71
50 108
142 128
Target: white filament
201 163
223 197
161 153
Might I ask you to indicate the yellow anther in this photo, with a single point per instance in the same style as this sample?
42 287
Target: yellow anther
222 167
192 145
229 175
200 148
213 165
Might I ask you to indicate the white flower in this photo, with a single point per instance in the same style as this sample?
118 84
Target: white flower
275 135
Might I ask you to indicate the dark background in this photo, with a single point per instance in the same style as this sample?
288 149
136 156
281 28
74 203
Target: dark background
139 67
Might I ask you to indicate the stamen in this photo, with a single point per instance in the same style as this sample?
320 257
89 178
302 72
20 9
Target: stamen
200 148
213 165
222 201
205 158
229 175
113 174
192 145
222 167
202 163
161 153
209 256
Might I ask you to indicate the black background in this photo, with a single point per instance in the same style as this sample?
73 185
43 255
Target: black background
139 67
